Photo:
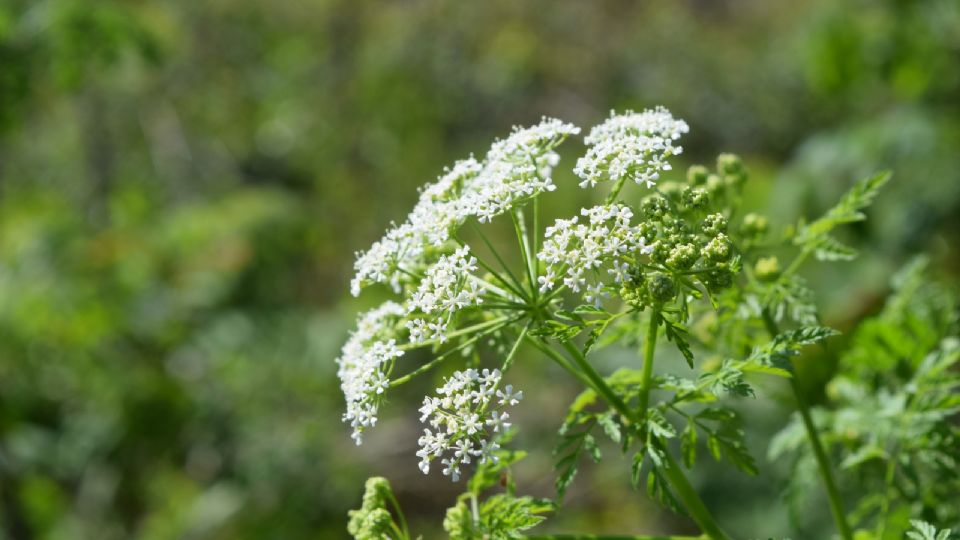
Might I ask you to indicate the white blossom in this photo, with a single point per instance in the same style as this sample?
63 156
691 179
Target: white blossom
370 348
632 146
446 288
457 417
514 170
576 250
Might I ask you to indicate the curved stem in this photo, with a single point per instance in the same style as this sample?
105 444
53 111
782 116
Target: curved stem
823 463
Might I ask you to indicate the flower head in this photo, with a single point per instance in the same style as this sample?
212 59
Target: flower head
632 146
362 361
459 415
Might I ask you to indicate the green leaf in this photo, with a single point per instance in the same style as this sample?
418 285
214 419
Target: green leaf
677 333
847 210
828 248
925 531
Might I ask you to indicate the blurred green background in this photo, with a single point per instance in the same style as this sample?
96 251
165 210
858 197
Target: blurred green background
183 185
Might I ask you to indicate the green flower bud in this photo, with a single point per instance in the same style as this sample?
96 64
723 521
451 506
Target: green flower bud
661 251
767 269
376 491
715 186
717 280
714 224
682 257
654 207
718 249
695 198
647 230
729 164
661 289
697 175
754 225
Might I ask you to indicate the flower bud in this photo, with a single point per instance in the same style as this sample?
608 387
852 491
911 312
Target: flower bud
714 224
695 198
754 225
682 257
717 280
718 249
661 289
729 164
697 175
655 207
767 269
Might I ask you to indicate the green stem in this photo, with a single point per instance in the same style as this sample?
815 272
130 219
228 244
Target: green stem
403 520
431 364
597 381
559 359
456 333
691 500
515 286
826 473
649 348
616 190
524 241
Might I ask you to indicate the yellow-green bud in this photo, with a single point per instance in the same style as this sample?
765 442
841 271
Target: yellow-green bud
718 249
697 175
755 225
682 257
714 224
767 269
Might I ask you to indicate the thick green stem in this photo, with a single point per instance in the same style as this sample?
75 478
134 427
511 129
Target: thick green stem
691 499
597 381
649 347
823 463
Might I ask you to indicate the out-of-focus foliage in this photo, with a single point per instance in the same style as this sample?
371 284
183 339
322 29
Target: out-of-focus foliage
182 185
892 412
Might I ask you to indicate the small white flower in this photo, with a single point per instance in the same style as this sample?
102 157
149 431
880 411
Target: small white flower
508 396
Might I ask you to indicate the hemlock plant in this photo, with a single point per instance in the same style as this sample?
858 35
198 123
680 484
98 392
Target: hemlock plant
678 266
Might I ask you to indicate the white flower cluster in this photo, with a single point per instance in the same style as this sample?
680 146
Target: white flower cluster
631 145
361 365
514 170
575 251
446 288
459 418
436 213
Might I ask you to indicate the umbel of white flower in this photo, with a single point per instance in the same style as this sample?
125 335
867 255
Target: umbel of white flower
467 407
446 300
